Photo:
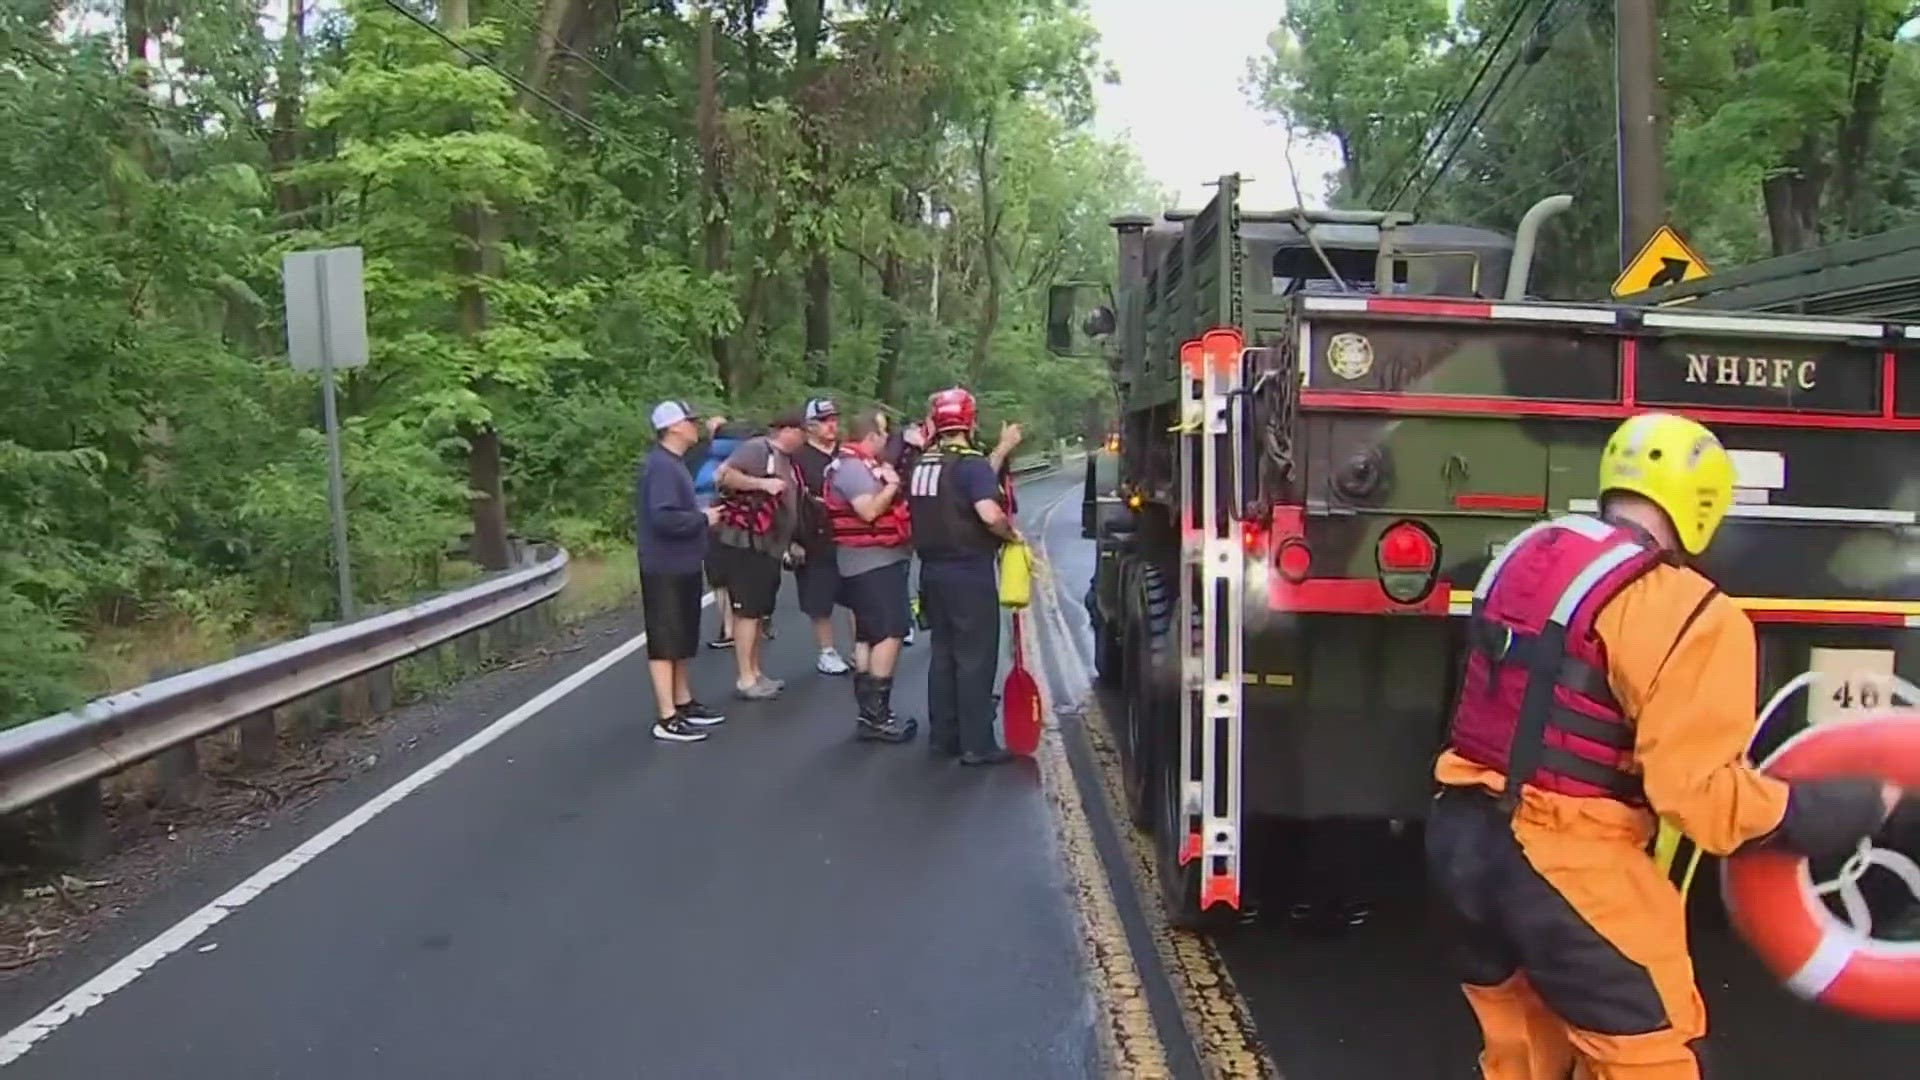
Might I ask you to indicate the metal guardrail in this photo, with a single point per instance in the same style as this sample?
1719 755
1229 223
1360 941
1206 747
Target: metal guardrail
45 757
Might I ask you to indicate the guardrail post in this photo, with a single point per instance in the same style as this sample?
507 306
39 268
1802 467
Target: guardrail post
469 650
178 769
259 740
380 690
80 832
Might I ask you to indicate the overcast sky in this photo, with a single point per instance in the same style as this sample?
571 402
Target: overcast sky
1180 100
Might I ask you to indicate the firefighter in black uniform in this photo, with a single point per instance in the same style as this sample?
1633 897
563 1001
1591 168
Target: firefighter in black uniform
959 523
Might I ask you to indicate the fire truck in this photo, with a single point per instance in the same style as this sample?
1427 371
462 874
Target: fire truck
1327 430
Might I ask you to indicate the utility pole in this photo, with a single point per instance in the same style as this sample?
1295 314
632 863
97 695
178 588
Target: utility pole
1640 109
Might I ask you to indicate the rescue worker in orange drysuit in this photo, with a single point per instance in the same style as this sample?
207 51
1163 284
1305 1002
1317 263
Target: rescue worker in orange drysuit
1607 683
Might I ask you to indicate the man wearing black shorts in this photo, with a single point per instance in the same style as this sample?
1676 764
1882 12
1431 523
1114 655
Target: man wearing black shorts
817 577
872 538
759 510
671 533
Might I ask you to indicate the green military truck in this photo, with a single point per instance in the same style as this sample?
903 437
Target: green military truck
1313 469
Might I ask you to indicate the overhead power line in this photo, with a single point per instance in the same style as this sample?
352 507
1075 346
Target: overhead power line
1442 103
1493 93
427 24
1439 136
533 21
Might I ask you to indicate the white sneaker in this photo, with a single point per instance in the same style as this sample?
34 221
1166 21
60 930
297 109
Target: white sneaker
830 663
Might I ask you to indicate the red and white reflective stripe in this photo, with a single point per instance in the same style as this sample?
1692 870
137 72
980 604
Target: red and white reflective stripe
1592 315
1763 324
1461 309
1840 515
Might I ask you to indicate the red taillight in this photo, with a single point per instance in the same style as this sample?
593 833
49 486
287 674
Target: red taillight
1406 548
1295 560
1407 557
1254 536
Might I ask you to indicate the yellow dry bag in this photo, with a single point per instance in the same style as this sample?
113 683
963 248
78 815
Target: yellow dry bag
1016 575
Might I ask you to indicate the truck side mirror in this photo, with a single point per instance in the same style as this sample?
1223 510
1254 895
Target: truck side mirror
1060 300
1069 333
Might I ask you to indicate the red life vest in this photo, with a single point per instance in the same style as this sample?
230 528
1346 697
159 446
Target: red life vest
1534 701
894 528
754 511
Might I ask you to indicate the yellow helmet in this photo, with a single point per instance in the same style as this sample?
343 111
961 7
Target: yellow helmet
1677 464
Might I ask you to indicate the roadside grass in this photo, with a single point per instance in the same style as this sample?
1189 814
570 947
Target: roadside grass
123 657
597 583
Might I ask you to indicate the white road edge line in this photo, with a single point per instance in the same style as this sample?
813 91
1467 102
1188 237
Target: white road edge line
17 1042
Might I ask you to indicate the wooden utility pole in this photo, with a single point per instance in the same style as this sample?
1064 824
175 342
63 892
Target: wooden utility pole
1640 109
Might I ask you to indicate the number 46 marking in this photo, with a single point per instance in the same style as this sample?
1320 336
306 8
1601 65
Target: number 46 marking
1866 696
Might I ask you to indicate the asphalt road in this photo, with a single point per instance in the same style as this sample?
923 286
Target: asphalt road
578 900
1377 1003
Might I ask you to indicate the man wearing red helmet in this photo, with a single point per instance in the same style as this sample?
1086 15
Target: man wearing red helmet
959 523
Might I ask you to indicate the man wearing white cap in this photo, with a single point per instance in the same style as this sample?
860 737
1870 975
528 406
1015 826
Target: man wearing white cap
671 534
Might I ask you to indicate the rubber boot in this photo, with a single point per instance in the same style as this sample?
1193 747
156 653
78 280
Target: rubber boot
896 729
873 718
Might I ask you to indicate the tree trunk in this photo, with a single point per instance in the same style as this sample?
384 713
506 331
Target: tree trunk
1791 194
819 317
989 237
713 192
893 287
808 29
1868 73
554 16
472 257
283 147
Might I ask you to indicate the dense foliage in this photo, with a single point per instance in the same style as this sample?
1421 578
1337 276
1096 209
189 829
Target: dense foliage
1790 123
569 209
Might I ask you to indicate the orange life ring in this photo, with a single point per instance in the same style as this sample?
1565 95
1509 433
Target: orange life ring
1771 895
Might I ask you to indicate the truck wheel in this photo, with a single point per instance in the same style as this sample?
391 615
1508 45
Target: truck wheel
1137 734
1150 708
1107 654
1179 885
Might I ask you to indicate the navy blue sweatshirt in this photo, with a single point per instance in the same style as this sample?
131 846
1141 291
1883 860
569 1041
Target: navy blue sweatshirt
670 529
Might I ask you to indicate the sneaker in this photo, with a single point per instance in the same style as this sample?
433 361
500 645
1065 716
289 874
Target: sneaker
721 643
995 756
907 642
831 663
758 691
699 715
676 729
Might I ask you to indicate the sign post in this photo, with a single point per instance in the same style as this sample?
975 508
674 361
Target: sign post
1664 260
326 330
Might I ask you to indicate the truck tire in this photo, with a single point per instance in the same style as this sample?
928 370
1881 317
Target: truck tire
1150 704
1179 885
1159 760
1107 650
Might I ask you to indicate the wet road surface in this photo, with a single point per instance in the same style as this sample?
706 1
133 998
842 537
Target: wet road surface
578 900
1376 1002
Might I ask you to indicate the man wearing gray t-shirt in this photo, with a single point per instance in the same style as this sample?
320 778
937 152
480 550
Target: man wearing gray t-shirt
873 539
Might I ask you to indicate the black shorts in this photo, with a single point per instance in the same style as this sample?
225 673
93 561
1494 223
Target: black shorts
818 581
878 600
670 604
753 581
716 567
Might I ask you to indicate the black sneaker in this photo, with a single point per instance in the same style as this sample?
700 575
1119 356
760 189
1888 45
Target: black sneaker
699 715
725 642
992 757
676 729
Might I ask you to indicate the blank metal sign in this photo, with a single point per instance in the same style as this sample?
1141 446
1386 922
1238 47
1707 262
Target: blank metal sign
326 307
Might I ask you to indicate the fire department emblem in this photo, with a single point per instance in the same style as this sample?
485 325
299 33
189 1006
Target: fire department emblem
1350 356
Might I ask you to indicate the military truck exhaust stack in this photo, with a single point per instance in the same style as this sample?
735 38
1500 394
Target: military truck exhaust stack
1325 436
